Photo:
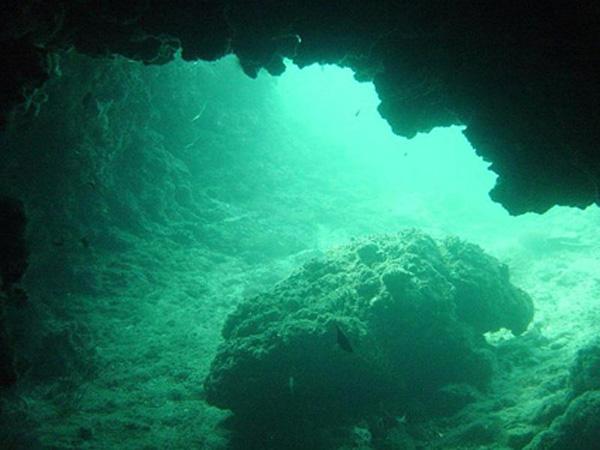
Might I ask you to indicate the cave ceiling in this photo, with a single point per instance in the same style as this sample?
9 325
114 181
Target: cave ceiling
520 76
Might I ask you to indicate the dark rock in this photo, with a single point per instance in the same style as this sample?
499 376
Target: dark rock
577 429
85 434
8 374
450 399
369 285
13 250
481 295
24 71
520 77
369 254
585 372
13 263
398 282
519 436
20 439
480 433
551 407
280 365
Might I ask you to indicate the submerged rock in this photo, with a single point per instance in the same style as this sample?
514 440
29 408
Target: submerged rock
8 373
585 372
413 310
577 429
13 250
13 263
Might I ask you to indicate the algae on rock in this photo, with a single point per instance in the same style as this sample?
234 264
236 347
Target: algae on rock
414 310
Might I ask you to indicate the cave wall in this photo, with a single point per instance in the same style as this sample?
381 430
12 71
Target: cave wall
520 76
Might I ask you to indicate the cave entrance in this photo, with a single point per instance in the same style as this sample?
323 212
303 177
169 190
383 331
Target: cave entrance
434 181
159 196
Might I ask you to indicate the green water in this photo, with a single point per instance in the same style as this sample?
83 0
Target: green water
159 197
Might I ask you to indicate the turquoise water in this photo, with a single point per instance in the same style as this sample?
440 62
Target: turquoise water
160 198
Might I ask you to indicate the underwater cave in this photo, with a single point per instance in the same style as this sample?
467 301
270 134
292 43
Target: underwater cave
272 225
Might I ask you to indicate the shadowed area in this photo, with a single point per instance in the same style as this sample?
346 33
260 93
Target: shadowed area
520 77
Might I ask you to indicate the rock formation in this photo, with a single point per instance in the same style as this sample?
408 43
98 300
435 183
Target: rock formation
369 332
521 77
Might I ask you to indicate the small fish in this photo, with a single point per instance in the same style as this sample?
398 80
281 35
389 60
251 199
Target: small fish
292 386
58 242
342 340
357 113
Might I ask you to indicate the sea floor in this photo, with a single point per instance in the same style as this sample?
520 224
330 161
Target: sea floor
147 335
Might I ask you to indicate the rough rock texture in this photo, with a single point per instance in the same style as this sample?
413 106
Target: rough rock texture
13 263
413 310
585 372
520 76
578 426
8 375
577 429
13 250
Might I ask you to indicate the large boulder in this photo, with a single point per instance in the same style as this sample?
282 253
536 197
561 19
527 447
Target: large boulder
372 328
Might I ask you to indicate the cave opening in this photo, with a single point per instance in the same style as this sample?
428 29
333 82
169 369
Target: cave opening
158 196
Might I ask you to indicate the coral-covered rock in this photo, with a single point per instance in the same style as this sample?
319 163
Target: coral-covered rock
374 325
577 429
585 372
482 297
